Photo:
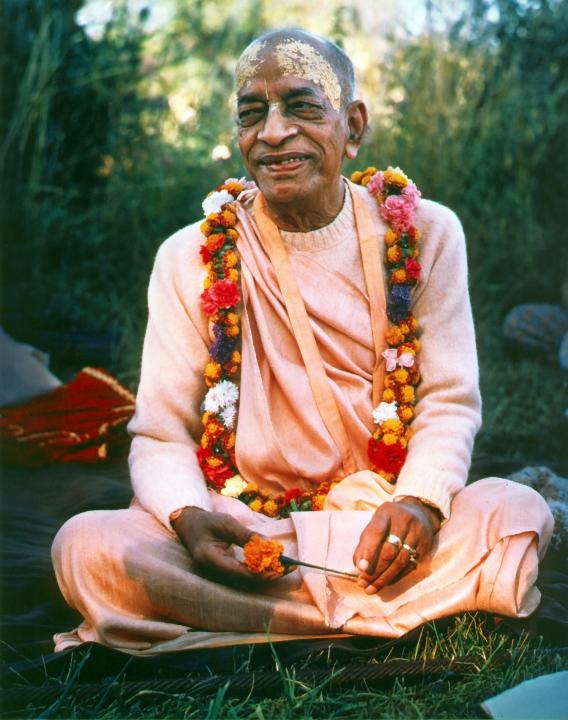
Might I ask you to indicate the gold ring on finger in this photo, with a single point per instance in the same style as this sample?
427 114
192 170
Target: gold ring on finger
411 551
394 540
413 560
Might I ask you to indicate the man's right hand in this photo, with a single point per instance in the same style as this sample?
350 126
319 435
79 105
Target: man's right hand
208 537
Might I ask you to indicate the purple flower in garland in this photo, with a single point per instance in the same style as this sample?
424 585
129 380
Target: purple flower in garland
222 346
399 302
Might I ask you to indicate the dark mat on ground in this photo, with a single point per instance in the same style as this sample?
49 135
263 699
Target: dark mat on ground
34 504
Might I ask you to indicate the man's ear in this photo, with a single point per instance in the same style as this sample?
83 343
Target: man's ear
357 120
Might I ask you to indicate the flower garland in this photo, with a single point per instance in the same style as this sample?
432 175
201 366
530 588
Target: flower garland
397 198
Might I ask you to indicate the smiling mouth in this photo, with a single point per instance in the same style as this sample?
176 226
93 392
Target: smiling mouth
272 161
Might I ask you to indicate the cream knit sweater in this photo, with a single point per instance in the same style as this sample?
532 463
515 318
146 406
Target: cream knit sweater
166 427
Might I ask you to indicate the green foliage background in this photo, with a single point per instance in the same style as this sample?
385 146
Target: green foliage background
98 165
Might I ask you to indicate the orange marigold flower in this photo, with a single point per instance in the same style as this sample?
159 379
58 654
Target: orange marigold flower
256 504
263 555
231 258
378 434
371 170
317 502
404 328
398 276
390 237
365 180
401 376
270 508
406 394
228 218
393 426
234 188
205 418
206 227
232 318
394 176
389 381
412 322
394 254
214 429
213 462
389 439
405 413
403 442
251 487
204 441
413 233
232 330
233 275
407 348
389 477
323 488
356 177
212 373
229 441
207 283
214 219
236 357
394 336
232 234
215 242
388 396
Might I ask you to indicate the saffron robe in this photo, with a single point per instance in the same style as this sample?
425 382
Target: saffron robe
127 572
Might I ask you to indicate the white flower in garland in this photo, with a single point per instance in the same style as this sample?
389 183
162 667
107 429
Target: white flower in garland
385 411
220 396
214 202
228 415
234 486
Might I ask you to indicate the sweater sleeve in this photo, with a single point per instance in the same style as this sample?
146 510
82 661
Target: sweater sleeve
166 426
448 410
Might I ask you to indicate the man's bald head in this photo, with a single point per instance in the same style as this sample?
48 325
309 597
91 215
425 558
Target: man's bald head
303 54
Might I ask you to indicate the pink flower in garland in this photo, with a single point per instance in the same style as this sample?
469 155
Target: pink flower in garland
376 184
412 194
398 210
222 294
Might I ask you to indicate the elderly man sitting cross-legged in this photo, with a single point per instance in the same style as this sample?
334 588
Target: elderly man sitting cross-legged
309 375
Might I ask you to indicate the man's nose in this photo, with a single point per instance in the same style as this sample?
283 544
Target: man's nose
277 127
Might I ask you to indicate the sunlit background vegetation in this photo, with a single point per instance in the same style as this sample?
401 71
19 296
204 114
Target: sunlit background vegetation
117 119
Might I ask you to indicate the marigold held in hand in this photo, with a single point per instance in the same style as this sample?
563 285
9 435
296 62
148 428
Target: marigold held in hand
263 555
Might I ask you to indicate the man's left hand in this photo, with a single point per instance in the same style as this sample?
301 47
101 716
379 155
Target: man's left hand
380 562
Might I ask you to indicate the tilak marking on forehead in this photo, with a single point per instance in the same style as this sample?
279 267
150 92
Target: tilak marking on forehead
248 65
302 60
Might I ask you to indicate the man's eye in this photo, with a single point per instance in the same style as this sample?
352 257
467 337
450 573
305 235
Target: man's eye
249 116
305 108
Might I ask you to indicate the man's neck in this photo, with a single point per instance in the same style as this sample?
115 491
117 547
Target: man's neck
308 215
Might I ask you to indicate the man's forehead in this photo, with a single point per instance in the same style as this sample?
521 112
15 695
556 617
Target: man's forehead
259 92
293 57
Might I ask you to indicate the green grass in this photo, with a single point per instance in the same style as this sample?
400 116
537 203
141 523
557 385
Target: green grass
504 662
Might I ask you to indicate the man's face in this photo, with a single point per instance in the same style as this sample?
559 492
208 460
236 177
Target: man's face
291 138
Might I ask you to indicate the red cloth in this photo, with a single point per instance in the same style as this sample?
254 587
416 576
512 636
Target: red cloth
82 421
